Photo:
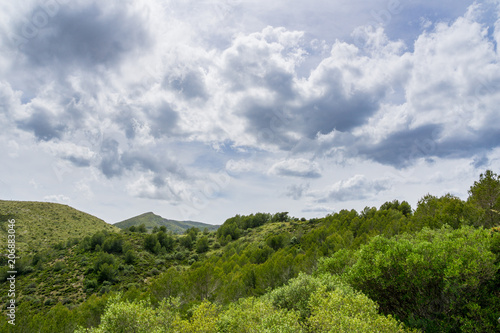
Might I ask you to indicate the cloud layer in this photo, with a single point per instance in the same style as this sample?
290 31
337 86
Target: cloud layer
157 96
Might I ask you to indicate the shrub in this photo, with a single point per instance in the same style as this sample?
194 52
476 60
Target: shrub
255 315
59 265
151 243
139 317
103 258
343 310
89 285
106 272
433 276
129 257
202 245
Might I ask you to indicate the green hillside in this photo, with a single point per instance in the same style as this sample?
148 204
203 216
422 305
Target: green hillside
40 224
151 220
390 269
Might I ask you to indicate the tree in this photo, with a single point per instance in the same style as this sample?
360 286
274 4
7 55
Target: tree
141 228
429 279
434 212
129 257
107 272
103 258
168 284
150 242
485 193
193 232
404 207
166 240
97 239
113 244
202 245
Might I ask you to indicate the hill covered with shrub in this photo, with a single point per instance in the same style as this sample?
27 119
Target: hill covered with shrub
388 269
152 221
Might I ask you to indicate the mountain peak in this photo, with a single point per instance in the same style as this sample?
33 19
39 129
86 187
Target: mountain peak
151 220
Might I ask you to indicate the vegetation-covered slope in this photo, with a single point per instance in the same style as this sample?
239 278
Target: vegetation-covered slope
386 269
41 224
151 220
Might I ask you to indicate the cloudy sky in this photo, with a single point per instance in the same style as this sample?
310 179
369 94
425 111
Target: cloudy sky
202 110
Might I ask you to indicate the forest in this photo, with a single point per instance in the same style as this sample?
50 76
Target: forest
432 268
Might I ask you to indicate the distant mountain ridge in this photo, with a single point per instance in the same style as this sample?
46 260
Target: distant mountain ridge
151 220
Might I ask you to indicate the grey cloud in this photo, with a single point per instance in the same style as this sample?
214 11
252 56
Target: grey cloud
469 144
480 161
301 168
296 191
333 111
44 125
86 36
355 188
402 148
280 82
163 121
110 165
159 164
191 85
267 124
317 209
114 163
79 161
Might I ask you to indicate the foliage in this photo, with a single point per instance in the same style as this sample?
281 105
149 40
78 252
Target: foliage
342 310
434 268
42 224
485 194
202 245
432 275
253 315
151 242
404 207
150 221
434 212
137 317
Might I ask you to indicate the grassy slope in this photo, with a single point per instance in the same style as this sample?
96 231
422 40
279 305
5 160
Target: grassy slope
48 285
40 224
151 220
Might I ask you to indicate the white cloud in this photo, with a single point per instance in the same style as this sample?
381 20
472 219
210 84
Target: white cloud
58 198
299 167
357 187
141 92
240 166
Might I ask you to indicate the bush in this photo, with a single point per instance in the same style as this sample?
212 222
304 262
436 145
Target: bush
113 244
186 242
254 315
129 257
89 285
59 265
103 258
430 278
151 243
202 245
296 294
106 272
139 317
344 310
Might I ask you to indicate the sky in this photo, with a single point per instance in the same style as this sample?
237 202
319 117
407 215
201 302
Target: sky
201 110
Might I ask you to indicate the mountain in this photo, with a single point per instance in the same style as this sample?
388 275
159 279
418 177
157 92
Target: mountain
40 224
151 220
